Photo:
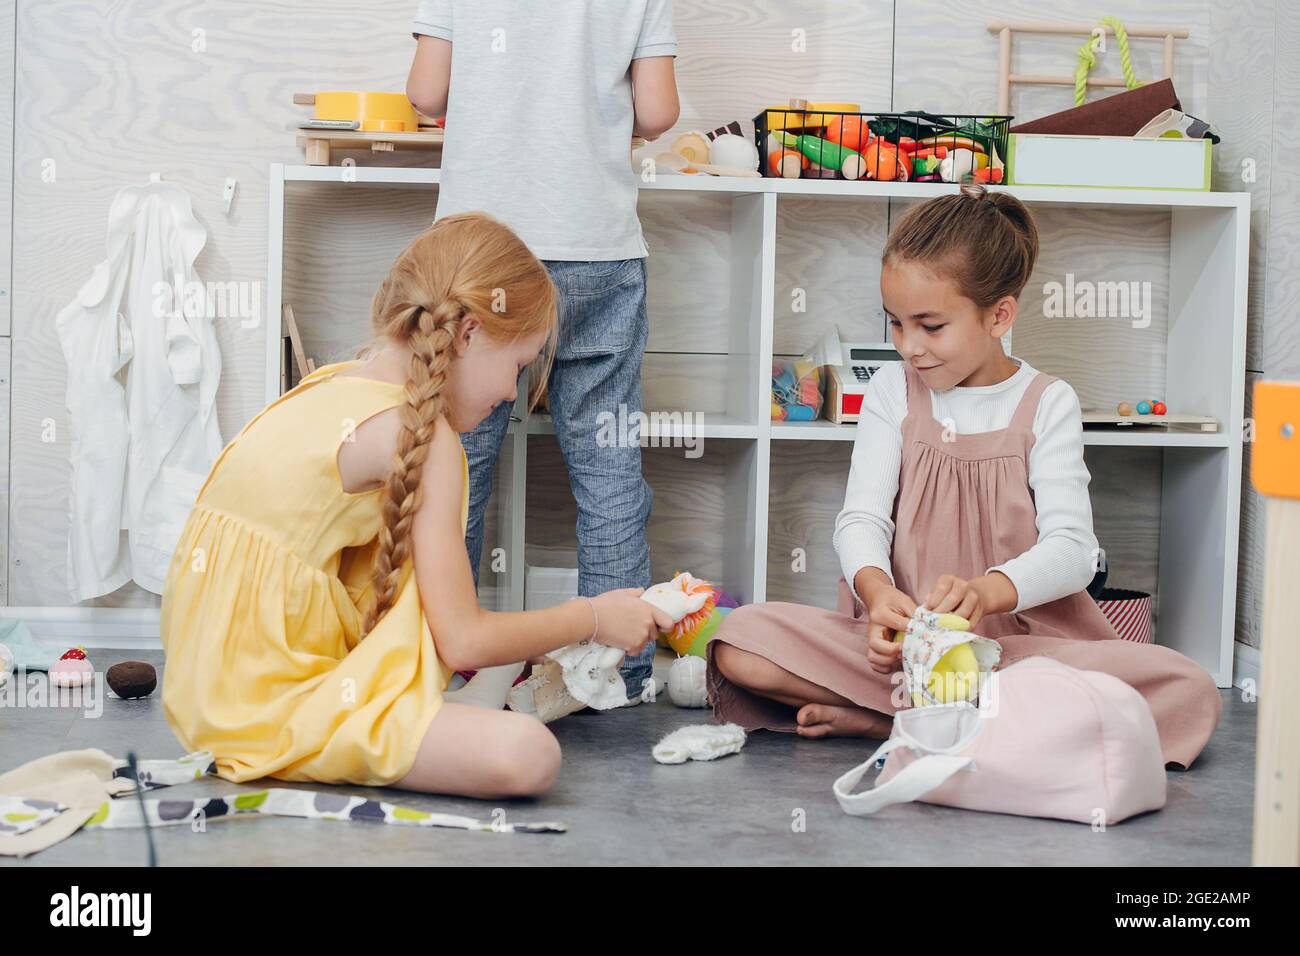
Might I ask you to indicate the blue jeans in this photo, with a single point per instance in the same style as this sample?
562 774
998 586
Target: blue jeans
597 368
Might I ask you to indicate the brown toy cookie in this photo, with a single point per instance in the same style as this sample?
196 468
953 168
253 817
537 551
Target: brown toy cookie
131 679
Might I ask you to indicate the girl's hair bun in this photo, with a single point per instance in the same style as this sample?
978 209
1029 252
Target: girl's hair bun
988 245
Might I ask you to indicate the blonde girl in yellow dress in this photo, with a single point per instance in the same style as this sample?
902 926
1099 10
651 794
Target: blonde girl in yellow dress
320 595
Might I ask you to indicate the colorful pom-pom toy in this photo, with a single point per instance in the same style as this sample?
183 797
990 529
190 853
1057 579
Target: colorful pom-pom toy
697 606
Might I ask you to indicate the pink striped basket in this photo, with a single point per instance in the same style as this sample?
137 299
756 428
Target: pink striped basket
1129 613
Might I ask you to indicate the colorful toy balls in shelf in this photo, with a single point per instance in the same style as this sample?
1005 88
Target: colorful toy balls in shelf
1143 408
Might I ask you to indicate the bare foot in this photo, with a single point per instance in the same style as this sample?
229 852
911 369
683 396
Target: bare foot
829 720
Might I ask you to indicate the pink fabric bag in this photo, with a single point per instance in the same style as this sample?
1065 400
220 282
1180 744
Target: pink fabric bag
1044 740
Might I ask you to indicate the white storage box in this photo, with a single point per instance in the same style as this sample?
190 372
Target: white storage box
547 587
1108 162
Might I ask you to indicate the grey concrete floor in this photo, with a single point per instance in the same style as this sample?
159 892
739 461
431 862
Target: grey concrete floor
622 807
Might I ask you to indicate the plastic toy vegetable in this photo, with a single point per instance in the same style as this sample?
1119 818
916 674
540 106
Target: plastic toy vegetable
828 154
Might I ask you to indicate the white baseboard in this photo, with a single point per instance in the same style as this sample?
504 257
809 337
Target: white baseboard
1245 665
124 628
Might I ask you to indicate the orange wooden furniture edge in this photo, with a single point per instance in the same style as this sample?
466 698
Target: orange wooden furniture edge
1275 458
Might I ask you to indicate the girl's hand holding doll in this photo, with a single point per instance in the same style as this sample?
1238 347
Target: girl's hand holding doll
624 621
888 610
988 594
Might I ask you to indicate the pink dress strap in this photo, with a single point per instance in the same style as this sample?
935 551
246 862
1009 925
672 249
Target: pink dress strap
1027 409
919 424
918 394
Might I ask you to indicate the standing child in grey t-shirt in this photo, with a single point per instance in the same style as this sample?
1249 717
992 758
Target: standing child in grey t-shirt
542 101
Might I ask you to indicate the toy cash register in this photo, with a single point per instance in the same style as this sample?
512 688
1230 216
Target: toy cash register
847 382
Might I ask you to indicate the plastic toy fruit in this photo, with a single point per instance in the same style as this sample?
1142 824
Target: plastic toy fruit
885 162
1159 408
847 131
1144 408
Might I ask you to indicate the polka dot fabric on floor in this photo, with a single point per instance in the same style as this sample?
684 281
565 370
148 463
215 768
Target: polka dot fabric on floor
47 800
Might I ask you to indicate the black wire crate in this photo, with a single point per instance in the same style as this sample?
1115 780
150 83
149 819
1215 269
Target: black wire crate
806 142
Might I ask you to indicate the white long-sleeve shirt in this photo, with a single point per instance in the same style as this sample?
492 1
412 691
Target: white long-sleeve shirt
1061 562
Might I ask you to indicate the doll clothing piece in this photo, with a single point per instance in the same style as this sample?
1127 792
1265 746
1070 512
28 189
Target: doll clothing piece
927 641
578 675
586 674
591 675
700 742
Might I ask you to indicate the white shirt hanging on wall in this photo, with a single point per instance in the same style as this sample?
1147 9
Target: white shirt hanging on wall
143 367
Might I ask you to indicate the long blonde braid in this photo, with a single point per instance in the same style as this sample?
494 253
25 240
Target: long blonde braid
462 265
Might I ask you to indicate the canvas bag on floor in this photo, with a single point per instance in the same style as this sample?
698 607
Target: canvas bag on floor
1045 740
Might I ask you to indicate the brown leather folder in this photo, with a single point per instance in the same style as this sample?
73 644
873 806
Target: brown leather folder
1120 114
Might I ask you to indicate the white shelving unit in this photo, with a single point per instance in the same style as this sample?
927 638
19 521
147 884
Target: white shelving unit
1205 359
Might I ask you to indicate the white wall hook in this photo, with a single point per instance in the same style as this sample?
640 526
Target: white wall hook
1098 39
228 194
155 177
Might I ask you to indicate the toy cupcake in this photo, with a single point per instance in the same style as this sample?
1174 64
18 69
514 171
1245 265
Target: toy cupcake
72 669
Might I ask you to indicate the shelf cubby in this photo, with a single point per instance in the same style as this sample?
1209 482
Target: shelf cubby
735 512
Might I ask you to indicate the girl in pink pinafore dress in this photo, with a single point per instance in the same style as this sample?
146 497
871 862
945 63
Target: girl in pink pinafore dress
979 525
